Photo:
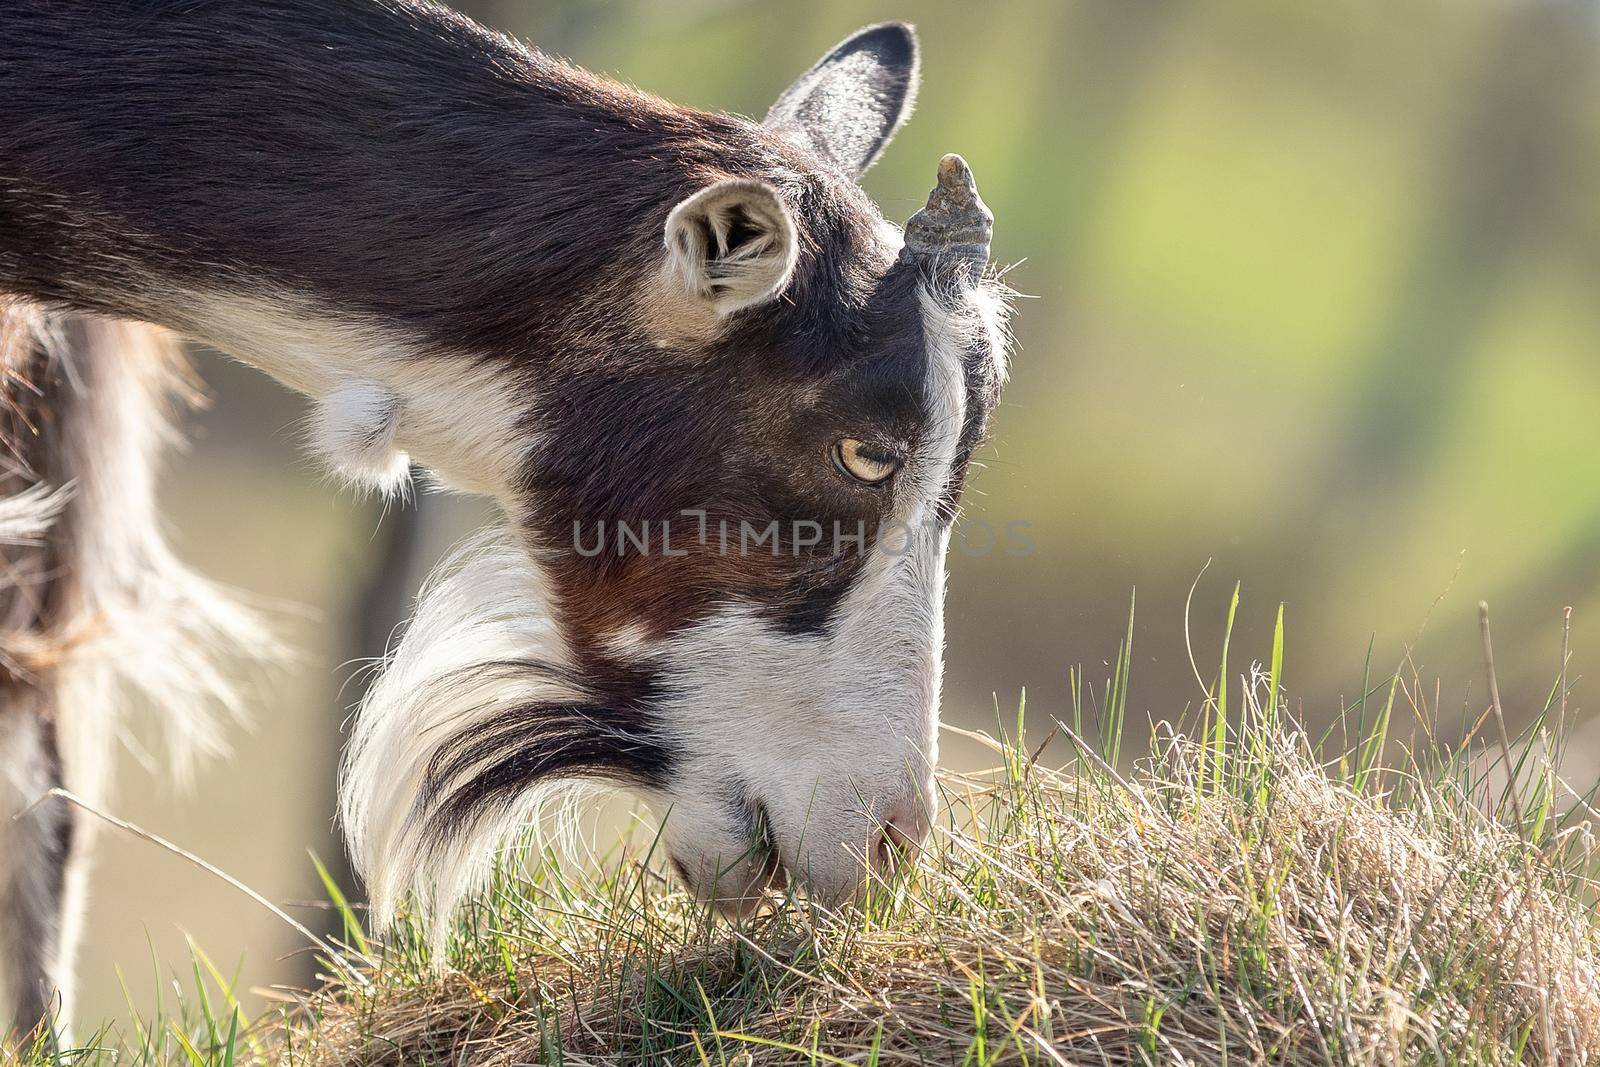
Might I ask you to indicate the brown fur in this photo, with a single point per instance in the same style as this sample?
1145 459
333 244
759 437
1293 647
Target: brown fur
344 190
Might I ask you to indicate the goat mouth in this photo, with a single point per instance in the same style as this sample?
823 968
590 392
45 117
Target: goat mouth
773 876
755 880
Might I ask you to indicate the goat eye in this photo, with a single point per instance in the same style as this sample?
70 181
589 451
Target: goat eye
863 462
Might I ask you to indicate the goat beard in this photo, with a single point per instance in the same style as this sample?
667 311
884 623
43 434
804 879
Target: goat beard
476 719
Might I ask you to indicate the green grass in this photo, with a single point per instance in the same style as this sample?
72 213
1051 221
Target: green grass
1240 893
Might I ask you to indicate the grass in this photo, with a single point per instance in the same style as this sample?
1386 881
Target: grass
1243 892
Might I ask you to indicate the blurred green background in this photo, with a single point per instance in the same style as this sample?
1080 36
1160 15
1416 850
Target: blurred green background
1311 295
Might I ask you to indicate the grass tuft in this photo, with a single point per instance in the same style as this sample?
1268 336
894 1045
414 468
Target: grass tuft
1234 895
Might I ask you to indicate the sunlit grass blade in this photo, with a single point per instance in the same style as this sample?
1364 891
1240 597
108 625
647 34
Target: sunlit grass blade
1219 737
352 932
1229 896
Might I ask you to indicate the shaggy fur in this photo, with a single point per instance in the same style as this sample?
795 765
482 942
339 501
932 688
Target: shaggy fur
615 315
100 619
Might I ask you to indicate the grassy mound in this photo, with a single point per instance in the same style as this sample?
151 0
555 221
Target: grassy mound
1238 896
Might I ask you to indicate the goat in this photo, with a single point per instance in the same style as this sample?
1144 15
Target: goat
688 338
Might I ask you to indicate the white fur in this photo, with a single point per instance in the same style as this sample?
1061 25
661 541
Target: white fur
731 279
487 605
985 319
26 517
463 417
142 631
354 429
160 632
828 732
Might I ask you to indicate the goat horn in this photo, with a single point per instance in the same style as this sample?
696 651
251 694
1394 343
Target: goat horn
950 237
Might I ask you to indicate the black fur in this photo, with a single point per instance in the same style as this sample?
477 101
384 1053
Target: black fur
396 163
390 163
610 735
742 433
399 164
850 104
387 157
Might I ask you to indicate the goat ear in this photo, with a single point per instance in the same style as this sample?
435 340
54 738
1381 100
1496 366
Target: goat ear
733 244
849 105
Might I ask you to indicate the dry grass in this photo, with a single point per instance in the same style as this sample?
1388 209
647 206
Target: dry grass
1235 897
1232 900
